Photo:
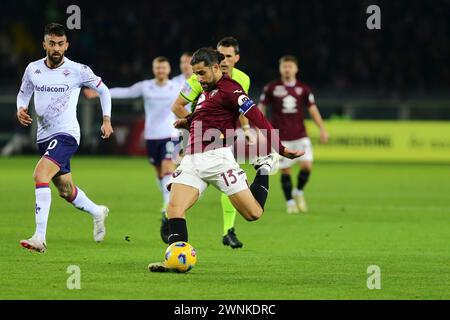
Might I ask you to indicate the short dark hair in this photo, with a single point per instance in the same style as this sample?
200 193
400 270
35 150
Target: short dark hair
287 58
55 29
161 59
229 42
187 54
208 56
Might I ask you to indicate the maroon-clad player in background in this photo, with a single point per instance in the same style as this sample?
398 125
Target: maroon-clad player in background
288 99
209 159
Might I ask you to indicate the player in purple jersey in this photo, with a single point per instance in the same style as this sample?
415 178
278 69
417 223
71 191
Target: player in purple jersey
289 99
209 159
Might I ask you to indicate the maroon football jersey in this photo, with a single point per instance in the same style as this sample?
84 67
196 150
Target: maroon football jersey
213 123
215 112
288 104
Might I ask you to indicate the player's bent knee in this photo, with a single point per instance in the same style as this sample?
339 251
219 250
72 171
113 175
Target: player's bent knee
306 166
253 215
175 211
256 214
38 177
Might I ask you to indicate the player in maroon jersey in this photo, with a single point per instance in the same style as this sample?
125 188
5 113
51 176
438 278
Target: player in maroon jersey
209 159
289 99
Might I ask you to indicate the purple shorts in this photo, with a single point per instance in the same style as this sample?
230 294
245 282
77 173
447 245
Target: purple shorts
160 149
59 150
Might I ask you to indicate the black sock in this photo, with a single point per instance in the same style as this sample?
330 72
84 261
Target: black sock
260 187
177 230
302 178
286 184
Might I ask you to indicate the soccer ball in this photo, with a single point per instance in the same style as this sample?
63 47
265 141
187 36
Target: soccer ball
180 257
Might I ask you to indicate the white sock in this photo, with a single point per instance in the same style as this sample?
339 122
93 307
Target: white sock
297 192
82 202
291 202
42 209
165 192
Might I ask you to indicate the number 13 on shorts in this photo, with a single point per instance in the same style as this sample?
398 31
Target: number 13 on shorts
232 181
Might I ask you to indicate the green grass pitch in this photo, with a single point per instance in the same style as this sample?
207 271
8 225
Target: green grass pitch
395 216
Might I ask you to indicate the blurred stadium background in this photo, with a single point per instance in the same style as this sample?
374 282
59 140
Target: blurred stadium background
395 75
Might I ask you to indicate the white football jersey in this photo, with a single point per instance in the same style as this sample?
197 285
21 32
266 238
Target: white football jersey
158 101
56 94
181 80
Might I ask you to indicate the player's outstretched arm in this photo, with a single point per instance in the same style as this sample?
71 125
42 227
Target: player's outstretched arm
291 154
179 107
105 102
116 93
258 119
317 118
135 91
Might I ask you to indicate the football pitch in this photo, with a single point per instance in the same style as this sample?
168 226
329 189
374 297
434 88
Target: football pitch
393 216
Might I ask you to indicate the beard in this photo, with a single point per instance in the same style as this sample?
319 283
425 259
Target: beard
55 59
208 86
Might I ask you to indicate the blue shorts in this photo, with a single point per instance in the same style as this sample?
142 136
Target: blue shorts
59 150
160 149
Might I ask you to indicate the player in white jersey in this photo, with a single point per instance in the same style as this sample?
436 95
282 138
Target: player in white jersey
186 70
186 73
56 82
160 134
